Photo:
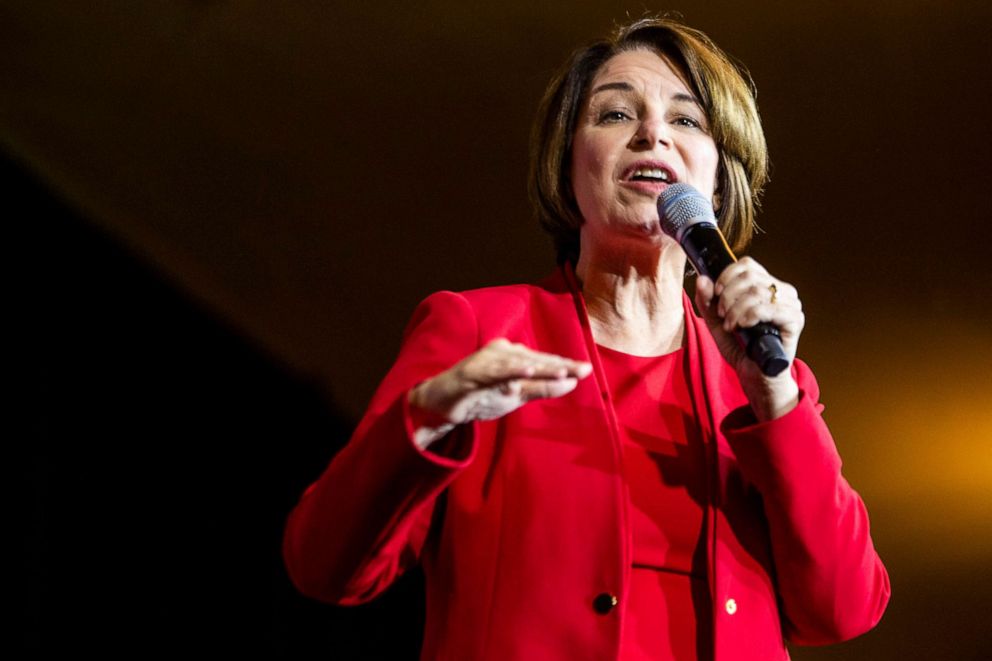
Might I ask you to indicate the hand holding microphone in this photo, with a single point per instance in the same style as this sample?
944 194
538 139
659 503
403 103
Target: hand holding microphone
688 217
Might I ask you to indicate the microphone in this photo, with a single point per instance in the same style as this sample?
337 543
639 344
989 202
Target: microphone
688 217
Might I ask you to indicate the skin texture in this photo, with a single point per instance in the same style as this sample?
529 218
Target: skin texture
639 110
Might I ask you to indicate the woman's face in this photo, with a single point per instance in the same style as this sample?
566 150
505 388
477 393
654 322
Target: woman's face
640 130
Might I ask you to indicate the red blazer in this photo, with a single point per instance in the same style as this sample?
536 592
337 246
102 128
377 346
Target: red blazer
525 524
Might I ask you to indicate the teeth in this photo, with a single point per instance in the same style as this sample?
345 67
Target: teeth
654 173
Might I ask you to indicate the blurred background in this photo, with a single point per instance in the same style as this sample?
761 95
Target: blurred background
223 214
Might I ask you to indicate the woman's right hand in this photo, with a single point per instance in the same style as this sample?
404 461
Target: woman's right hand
495 380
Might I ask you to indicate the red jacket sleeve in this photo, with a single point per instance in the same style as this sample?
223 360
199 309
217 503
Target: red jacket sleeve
365 520
831 581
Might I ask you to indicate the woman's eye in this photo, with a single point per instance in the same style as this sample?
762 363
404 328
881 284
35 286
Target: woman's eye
613 116
688 122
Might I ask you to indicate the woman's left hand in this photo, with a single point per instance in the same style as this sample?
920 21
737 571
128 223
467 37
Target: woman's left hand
746 294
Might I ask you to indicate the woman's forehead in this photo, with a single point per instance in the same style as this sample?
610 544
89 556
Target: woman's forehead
641 65
640 72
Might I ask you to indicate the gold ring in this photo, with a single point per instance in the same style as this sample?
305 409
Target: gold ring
774 290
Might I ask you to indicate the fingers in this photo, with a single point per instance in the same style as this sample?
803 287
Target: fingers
748 294
521 374
530 389
502 360
497 379
704 291
704 299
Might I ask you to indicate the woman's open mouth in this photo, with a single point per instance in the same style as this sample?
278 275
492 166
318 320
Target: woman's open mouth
650 177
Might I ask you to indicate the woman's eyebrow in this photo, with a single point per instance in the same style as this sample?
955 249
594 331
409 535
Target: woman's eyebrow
687 98
627 87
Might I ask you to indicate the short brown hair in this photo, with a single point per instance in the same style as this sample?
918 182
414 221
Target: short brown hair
725 90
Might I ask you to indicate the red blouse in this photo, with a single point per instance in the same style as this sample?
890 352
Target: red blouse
667 614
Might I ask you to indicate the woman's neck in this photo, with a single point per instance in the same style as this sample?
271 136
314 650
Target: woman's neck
634 297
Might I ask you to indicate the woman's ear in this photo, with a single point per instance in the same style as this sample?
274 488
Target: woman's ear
717 201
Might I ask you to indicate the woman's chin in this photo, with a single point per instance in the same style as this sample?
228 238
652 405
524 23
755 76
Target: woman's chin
646 226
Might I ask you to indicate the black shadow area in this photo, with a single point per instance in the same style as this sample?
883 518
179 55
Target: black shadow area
159 454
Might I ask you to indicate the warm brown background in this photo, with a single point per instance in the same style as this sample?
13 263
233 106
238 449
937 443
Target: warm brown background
309 170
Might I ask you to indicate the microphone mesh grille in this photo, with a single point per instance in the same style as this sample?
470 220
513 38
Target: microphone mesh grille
681 205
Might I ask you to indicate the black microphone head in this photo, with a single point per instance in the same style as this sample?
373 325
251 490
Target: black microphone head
680 206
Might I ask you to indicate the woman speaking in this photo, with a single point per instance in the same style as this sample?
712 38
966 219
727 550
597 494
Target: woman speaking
585 467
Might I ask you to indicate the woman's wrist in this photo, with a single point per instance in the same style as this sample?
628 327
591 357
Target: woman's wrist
428 425
771 398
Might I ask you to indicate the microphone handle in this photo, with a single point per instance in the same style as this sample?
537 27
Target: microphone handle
710 255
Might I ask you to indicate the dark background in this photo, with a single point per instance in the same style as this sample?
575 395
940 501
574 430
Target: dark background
224 212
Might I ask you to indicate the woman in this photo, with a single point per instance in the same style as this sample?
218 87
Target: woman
584 467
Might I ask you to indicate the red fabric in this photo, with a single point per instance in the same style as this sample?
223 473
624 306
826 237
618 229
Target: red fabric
663 458
667 618
528 522
664 466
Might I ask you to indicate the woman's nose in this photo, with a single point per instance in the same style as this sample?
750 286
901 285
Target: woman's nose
651 132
